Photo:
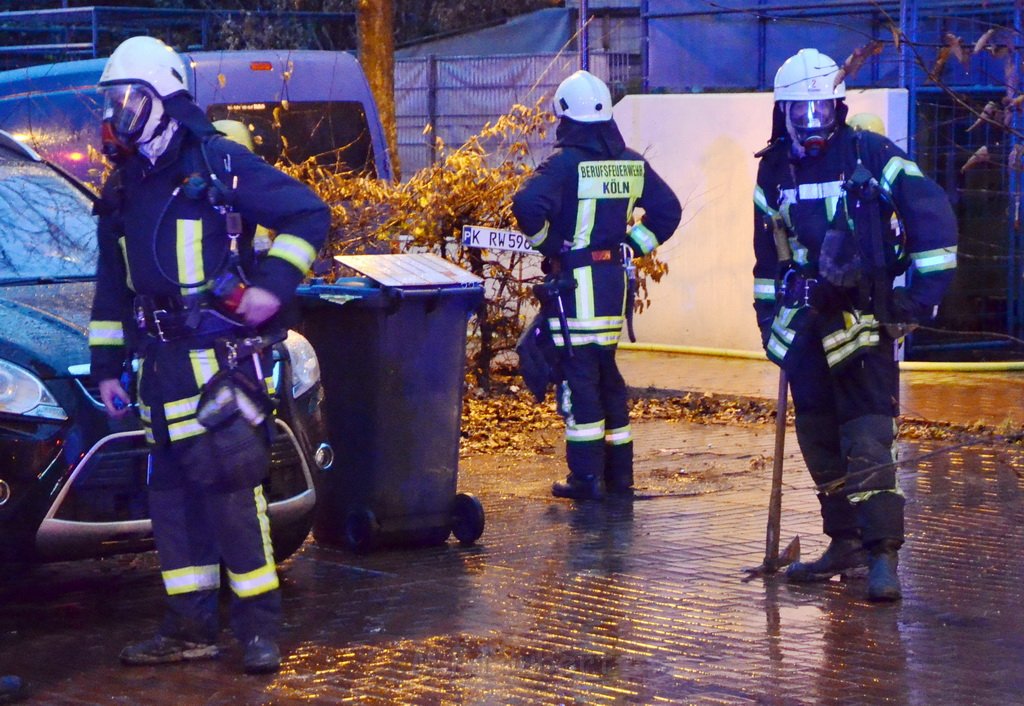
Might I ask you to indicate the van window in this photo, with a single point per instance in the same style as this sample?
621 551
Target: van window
333 133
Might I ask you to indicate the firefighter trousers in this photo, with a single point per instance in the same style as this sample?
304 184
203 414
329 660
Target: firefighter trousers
593 401
846 428
199 527
196 531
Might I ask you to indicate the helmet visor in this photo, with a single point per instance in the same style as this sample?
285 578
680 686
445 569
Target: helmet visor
817 115
126 108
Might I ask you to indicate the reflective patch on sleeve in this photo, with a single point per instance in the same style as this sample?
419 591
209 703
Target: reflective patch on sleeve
761 201
764 289
934 260
538 238
610 179
293 250
895 167
782 334
106 333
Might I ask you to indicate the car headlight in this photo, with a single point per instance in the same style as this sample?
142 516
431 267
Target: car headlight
23 393
305 366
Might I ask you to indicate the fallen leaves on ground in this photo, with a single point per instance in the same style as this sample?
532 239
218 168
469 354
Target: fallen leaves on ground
703 408
510 421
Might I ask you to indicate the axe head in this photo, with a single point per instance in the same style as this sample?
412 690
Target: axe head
771 565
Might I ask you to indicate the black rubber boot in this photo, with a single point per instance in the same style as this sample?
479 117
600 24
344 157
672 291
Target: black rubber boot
618 469
843 556
578 488
883 581
261 656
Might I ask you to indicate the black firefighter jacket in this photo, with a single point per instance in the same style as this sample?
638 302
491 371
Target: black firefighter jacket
581 200
158 238
809 196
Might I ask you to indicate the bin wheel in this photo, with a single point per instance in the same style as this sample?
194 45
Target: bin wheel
361 529
467 518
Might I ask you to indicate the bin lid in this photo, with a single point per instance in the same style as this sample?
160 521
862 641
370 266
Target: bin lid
410 270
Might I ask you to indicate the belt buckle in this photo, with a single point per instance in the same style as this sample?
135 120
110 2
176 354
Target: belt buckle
156 324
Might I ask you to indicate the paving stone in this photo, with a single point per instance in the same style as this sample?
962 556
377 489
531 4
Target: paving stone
638 602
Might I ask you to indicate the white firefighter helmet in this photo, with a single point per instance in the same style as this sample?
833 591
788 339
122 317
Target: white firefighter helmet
583 97
807 88
140 74
149 61
808 75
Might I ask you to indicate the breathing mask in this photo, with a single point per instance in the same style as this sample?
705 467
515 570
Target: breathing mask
133 113
810 123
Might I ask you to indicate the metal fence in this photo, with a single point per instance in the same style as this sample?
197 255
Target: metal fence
986 302
457 96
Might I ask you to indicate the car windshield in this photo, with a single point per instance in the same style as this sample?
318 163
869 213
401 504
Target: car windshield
46 225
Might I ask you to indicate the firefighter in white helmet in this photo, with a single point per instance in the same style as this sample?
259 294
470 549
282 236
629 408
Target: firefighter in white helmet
826 258
577 210
178 287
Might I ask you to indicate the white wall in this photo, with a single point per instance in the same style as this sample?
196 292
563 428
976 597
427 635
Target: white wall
703 145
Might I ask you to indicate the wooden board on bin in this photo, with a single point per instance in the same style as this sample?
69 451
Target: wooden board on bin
409 270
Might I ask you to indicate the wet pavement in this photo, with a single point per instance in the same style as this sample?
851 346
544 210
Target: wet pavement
953 396
618 602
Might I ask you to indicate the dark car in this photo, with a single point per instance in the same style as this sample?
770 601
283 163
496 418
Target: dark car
72 481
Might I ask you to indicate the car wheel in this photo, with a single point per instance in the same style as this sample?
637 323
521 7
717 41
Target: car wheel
467 518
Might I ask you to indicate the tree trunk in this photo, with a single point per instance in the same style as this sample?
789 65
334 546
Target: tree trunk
376 40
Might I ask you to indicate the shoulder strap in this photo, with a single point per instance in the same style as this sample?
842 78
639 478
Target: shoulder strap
207 177
222 179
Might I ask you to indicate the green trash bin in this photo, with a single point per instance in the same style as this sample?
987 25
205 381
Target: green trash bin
392 352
